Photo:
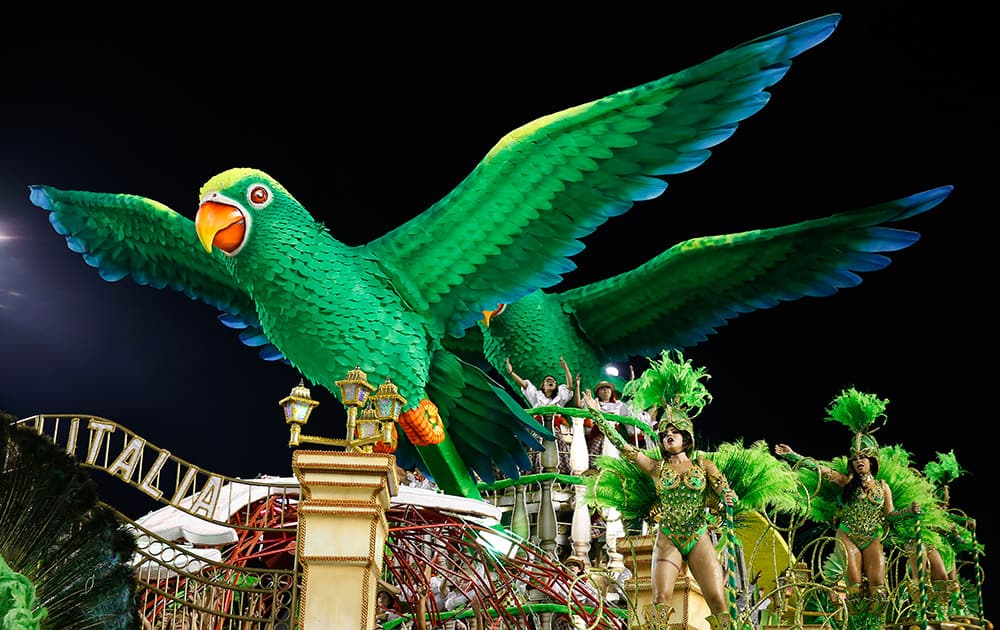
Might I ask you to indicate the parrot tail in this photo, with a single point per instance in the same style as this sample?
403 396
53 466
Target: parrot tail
490 430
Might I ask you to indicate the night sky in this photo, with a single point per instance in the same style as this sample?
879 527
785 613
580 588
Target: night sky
370 118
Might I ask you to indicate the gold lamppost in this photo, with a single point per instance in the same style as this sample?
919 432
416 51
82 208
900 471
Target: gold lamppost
370 416
344 497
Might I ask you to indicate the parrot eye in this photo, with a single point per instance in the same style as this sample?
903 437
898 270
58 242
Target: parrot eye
259 196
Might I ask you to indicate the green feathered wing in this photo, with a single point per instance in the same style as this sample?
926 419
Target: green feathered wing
908 486
123 235
762 482
513 224
620 484
683 295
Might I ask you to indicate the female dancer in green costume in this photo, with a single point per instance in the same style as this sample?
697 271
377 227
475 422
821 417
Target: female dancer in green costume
866 503
678 509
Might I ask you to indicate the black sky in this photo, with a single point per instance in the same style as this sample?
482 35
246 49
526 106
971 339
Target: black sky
370 118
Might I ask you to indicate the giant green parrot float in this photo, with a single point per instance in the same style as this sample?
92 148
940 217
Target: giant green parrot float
680 297
326 307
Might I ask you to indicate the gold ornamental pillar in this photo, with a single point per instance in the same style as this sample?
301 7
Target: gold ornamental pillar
342 533
690 608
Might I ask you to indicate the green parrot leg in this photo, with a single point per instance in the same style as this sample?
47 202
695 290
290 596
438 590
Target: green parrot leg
450 473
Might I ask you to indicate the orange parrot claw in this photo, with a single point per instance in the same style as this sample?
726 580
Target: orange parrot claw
422 424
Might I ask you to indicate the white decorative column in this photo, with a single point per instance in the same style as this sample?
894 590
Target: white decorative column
613 532
614 528
579 462
342 533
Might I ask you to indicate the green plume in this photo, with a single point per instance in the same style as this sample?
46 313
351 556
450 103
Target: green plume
622 485
856 410
821 497
671 381
760 480
834 567
17 601
944 470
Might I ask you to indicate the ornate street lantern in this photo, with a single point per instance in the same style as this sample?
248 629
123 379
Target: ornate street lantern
388 403
354 389
370 417
368 425
297 405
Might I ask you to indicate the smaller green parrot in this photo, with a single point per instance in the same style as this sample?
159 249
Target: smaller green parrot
683 295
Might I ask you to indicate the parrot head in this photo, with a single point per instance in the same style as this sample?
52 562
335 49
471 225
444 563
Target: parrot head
510 323
534 314
236 204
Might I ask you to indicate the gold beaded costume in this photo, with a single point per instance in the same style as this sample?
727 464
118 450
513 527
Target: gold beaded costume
862 515
685 521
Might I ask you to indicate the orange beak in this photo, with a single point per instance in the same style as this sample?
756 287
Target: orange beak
221 225
488 315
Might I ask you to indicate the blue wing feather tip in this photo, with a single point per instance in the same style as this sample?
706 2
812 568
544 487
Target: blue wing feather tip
111 275
39 197
270 353
884 239
253 338
930 198
75 245
56 225
920 202
813 32
232 321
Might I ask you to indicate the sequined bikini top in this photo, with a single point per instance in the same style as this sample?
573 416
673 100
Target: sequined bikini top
680 506
874 495
693 478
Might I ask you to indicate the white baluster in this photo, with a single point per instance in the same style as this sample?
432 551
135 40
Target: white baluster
579 461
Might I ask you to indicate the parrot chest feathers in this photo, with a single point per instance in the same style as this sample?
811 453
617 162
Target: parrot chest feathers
329 308
328 325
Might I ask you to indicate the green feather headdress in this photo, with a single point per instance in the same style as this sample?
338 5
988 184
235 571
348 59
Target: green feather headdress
859 412
673 384
944 470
